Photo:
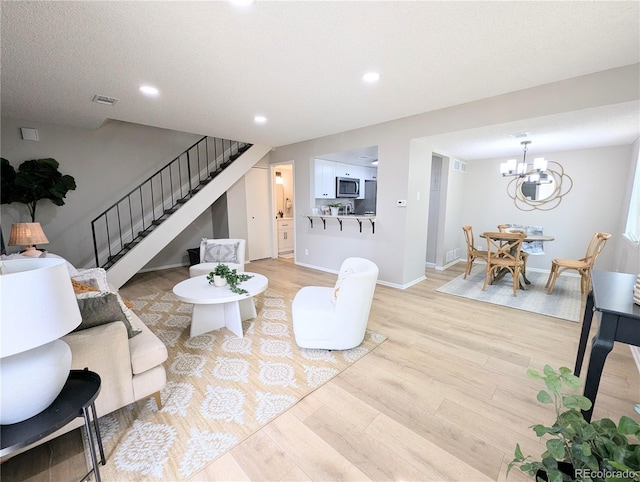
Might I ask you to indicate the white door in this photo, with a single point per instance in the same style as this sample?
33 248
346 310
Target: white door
258 218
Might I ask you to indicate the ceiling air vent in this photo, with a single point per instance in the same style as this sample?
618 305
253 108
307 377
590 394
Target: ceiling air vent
520 135
104 99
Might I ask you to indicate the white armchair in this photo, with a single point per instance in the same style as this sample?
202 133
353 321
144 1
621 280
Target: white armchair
216 251
335 318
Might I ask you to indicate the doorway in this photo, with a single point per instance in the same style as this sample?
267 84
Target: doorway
283 196
433 221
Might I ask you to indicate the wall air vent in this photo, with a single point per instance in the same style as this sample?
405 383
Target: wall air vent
459 166
104 99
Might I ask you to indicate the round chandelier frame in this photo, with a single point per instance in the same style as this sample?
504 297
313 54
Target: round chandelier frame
562 185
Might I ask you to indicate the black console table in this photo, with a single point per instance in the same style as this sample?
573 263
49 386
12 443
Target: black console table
611 295
78 394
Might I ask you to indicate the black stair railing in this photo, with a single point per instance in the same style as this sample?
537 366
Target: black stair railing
124 224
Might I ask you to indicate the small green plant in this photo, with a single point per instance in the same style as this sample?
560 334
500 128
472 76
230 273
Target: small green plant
598 451
334 205
232 276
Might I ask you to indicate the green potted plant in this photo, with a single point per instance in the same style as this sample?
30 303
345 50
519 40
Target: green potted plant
334 208
222 275
34 180
595 451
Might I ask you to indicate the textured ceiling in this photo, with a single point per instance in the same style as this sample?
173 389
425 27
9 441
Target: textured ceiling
298 63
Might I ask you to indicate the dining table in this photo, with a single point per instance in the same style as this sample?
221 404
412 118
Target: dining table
528 239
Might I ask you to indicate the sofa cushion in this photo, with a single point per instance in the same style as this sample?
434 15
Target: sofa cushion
100 308
146 349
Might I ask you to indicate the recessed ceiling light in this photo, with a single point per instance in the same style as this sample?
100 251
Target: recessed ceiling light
148 90
371 77
242 3
260 119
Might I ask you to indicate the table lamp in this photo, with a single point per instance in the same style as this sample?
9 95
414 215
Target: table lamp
28 234
38 306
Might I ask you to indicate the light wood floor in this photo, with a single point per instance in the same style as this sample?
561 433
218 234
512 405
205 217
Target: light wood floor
446 397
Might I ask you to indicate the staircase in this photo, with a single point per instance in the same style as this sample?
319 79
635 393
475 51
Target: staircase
132 231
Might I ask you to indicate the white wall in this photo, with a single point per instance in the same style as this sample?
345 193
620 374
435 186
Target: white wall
109 161
399 243
106 163
594 204
628 252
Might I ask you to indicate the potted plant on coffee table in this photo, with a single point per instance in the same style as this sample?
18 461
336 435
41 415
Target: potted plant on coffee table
222 275
595 451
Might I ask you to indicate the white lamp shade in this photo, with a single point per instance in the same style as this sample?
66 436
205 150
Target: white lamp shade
540 164
38 304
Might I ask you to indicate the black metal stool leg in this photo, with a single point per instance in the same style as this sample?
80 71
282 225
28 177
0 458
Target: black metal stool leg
92 448
98 436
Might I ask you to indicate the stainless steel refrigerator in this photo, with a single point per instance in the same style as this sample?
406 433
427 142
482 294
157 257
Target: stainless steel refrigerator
368 204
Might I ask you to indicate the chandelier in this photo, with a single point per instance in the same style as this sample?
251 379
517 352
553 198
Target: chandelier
535 173
540 185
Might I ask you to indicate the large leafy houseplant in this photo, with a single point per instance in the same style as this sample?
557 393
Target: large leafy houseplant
598 451
34 180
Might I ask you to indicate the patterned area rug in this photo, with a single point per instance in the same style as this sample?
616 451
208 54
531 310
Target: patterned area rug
565 302
220 389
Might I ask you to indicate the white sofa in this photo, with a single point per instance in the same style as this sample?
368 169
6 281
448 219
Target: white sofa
130 368
335 318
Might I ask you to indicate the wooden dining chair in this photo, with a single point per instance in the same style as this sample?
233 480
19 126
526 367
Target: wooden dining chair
503 255
503 228
583 265
472 252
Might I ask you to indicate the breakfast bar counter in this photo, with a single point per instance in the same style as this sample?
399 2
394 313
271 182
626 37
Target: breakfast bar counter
341 218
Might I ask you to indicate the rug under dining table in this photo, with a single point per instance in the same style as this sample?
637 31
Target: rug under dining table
565 302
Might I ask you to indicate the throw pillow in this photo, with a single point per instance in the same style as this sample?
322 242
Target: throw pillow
81 287
101 309
94 277
220 253
343 275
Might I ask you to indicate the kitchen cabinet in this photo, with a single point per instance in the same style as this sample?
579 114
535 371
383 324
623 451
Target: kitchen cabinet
349 170
325 179
371 173
285 236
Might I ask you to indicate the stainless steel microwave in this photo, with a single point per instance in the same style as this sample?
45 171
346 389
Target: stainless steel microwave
347 187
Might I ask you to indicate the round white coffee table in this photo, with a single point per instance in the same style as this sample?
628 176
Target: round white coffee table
215 307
